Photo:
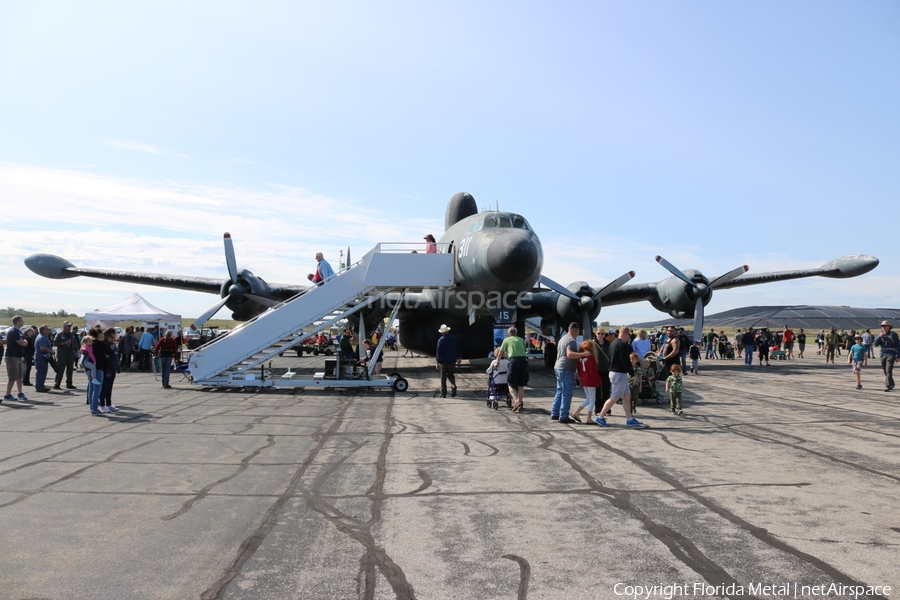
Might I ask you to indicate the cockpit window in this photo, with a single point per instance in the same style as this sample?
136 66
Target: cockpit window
519 222
476 226
504 221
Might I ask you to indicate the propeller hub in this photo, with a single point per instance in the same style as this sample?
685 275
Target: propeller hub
235 291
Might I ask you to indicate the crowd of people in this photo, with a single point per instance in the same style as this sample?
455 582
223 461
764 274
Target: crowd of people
100 353
611 365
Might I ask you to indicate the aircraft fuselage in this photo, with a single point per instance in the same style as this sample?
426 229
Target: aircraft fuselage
498 259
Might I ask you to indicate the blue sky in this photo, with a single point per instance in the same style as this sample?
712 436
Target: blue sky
132 135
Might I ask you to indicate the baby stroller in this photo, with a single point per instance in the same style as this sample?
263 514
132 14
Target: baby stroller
648 379
729 351
496 392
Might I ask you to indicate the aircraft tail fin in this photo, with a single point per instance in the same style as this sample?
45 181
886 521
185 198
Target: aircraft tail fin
461 205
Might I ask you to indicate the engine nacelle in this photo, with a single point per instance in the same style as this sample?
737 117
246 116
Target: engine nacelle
557 311
569 310
678 299
244 308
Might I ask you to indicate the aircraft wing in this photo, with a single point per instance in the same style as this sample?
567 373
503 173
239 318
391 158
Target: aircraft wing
839 268
55 267
626 294
745 279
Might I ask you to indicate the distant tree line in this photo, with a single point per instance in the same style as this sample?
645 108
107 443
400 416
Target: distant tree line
9 312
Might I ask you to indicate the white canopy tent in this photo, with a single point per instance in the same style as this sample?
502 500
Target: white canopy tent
132 308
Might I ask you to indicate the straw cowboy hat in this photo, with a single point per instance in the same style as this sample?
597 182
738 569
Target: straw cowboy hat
444 329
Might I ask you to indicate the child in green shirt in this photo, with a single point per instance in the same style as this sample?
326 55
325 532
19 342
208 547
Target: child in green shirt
674 387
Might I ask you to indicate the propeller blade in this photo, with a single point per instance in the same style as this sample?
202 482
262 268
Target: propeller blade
698 319
348 257
206 316
614 285
673 270
230 261
586 332
723 279
558 288
267 302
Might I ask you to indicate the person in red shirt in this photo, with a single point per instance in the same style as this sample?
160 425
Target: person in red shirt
788 341
166 349
590 381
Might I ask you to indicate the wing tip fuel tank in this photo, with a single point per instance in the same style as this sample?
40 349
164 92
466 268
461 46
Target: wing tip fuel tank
50 266
850 266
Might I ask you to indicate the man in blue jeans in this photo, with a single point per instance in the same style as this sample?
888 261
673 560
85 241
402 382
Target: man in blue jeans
749 347
43 352
145 344
567 356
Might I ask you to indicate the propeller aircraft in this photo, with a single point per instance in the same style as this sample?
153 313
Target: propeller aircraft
499 261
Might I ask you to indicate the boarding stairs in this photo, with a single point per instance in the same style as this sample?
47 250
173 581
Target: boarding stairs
231 359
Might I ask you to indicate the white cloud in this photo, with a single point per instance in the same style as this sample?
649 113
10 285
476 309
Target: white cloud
129 145
170 228
151 149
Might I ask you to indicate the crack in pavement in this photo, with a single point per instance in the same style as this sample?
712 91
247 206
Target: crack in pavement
759 533
426 483
252 543
896 435
665 439
827 541
389 569
524 575
774 440
375 556
58 454
678 544
245 462
29 493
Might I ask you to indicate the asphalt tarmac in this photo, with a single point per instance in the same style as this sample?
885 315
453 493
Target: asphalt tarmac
783 476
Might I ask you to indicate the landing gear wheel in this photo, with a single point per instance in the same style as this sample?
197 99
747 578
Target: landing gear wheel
400 385
549 355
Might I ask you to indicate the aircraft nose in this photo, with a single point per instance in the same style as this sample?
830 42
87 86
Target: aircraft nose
512 257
